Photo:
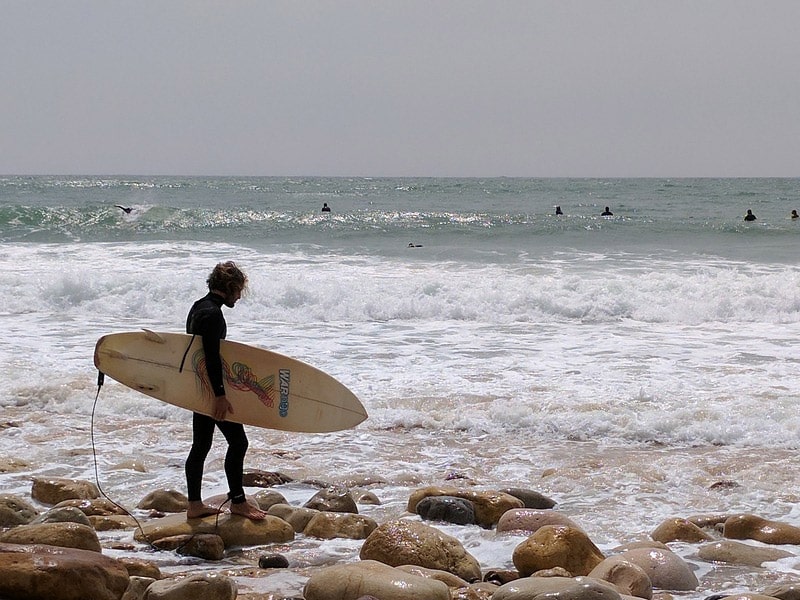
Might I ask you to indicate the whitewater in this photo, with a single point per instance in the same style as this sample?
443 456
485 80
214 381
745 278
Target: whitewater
621 365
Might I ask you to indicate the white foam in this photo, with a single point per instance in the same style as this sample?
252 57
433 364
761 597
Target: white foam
636 352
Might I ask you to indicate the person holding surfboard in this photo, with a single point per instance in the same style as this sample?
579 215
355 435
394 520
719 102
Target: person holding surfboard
226 283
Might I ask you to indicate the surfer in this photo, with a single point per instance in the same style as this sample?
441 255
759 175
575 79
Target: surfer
558 210
325 207
794 214
749 216
607 213
125 209
226 283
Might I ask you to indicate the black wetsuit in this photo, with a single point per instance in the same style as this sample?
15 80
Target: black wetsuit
206 320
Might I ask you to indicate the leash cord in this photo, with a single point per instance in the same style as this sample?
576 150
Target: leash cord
100 380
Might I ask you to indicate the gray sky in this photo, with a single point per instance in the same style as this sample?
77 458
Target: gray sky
400 88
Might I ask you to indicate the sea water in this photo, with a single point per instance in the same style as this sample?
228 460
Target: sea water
621 365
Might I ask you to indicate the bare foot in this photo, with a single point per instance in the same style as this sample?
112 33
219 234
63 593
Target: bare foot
198 510
245 509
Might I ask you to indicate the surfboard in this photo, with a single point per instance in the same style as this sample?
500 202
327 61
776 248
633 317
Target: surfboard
265 389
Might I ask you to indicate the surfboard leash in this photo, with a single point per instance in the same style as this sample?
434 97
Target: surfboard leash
100 380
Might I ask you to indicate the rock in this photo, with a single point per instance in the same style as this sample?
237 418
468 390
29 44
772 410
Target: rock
318 483
371 578
786 591
264 479
480 590
450 580
452 475
222 503
34 571
667 570
137 587
725 484
489 505
15 511
629 579
554 572
63 514
752 527
130 465
13 465
140 568
557 546
63 535
530 498
330 525
273 561
556 588
333 499
639 544
92 507
235 530
267 498
296 516
365 497
194 587
54 490
704 521
207 546
168 501
500 576
112 522
405 542
679 530
355 481
449 509
746 596
529 519
737 553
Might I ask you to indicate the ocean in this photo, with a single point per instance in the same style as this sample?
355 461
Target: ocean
621 365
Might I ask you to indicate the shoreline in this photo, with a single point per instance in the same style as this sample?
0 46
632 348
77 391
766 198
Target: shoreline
605 489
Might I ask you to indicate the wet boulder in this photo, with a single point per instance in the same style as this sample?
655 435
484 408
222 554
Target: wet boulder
557 546
405 542
370 578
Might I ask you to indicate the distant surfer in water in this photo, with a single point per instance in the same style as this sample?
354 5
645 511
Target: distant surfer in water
794 214
749 216
325 207
225 286
607 213
558 210
125 209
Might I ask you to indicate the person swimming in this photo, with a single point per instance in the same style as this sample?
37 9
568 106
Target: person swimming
749 216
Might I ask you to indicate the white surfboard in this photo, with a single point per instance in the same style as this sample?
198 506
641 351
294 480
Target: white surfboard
265 389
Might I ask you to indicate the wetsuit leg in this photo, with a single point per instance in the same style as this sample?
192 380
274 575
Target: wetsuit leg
234 458
202 437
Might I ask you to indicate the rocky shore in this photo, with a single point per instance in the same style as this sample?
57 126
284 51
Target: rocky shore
53 545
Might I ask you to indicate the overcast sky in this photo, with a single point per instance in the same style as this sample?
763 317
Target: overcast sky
401 88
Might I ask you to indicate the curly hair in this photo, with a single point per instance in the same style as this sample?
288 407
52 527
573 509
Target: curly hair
226 277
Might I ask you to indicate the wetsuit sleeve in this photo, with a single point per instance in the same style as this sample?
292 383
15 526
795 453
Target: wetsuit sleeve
209 324
213 363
